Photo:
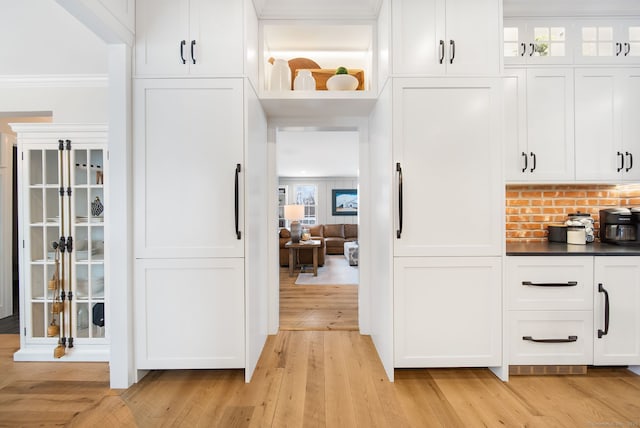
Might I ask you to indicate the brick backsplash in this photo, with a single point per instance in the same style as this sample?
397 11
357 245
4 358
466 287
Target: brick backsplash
530 208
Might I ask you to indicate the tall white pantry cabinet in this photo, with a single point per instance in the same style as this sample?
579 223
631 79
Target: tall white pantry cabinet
447 248
192 146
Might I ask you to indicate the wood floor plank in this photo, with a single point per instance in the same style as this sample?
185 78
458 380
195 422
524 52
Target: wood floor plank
339 401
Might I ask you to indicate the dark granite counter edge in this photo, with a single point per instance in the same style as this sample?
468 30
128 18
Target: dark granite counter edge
558 249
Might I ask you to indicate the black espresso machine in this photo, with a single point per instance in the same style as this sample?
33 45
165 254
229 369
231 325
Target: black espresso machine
620 226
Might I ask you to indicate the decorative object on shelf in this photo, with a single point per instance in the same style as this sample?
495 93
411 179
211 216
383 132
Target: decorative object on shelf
294 213
280 76
322 75
299 64
304 81
344 202
54 284
342 81
96 207
306 235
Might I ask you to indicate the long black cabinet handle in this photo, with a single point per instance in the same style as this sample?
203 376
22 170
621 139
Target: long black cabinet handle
452 44
237 202
627 49
399 171
441 51
621 156
193 58
526 161
182 44
606 312
551 284
618 48
524 48
630 161
535 163
567 340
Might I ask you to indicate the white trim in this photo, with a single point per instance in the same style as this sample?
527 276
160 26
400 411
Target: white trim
55 81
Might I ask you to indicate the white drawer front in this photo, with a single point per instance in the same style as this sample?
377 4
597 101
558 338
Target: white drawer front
549 283
529 329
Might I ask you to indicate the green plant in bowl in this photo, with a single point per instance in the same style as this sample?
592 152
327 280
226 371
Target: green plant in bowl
342 70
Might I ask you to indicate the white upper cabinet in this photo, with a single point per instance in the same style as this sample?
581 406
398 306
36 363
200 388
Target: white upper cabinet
539 125
607 130
608 41
189 37
455 37
537 41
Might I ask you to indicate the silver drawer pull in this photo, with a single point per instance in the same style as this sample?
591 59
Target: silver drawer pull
568 339
551 284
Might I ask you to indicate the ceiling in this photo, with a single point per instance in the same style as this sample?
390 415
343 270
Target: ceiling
317 153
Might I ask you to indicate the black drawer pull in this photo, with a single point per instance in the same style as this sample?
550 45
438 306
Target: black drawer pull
567 340
551 284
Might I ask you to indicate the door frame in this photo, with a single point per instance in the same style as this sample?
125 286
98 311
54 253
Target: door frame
361 125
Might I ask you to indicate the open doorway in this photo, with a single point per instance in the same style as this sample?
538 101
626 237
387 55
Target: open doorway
318 170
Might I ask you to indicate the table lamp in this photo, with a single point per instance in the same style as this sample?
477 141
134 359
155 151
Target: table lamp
294 213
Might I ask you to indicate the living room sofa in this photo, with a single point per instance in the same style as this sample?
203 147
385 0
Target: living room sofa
331 236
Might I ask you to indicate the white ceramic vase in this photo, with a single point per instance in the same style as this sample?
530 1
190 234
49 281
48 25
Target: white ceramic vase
280 76
304 81
342 82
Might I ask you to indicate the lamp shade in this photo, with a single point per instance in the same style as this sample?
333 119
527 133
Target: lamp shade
294 212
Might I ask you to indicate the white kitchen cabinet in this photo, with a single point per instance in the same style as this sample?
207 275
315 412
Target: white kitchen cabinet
188 168
62 171
189 37
189 313
538 41
617 311
447 131
447 311
454 37
607 132
608 41
539 125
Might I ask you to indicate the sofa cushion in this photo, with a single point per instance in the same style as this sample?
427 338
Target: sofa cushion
350 231
334 230
284 233
316 230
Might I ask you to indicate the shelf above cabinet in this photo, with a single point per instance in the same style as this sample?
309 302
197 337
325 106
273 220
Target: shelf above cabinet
318 103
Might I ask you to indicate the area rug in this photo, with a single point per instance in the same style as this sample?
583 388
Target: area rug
336 271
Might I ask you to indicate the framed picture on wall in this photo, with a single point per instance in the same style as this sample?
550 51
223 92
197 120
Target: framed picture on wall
282 201
344 202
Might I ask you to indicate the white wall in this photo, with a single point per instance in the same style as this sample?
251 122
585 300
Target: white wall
325 185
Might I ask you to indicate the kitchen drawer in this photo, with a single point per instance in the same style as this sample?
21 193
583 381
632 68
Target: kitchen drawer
549 283
556 327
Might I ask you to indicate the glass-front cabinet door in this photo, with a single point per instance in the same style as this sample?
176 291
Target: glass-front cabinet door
608 41
537 42
62 212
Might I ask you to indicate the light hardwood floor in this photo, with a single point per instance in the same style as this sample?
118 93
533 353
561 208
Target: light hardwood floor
312 379
317 307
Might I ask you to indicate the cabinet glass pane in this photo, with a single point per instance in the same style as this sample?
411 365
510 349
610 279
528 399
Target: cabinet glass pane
634 41
81 205
82 243
97 319
97 281
597 41
37 246
549 41
35 167
96 206
97 167
511 41
97 243
82 281
82 319
82 168
37 282
52 206
51 167
36 206
37 320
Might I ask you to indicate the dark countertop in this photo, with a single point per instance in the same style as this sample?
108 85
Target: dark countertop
558 249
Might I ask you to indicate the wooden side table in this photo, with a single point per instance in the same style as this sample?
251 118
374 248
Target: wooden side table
294 248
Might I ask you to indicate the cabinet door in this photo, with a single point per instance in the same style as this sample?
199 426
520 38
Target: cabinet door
161 26
608 41
447 312
217 30
189 141
447 144
630 94
620 277
517 157
437 37
598 130
189 314
550 133
535 41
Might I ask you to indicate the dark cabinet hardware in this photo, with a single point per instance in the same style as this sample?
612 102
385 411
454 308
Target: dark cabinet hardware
618 48
532 46
399 171
606 312
441 51
535 163
630 161
524 49
551 284
567 340
237 202
182 44
621 162
627 49
452 45
193 58
526 161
